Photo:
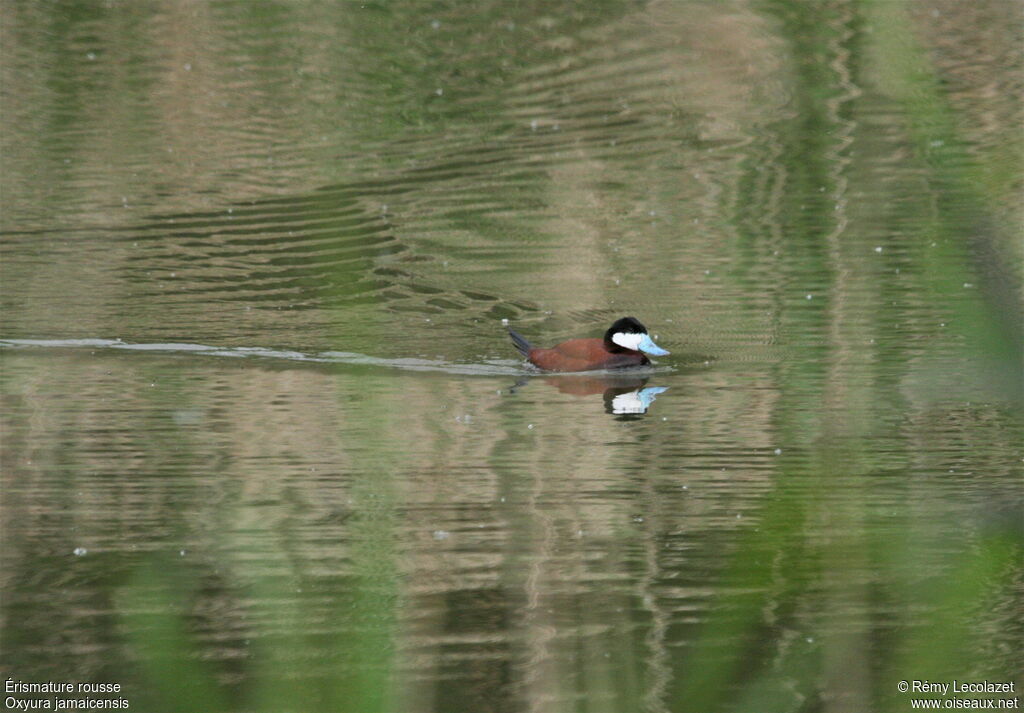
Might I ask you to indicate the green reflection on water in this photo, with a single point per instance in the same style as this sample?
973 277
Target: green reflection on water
155 621
780 568
994 326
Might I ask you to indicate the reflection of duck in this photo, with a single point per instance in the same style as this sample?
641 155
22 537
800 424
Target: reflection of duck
624 344
623 395
596 384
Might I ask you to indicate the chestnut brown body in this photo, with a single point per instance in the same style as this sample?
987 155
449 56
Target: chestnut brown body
585 355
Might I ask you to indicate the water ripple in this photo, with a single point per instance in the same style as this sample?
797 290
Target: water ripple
488 367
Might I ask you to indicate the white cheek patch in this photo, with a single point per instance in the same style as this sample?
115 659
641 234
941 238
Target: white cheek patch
627 340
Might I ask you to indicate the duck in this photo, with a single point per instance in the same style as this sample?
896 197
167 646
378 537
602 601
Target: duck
625 344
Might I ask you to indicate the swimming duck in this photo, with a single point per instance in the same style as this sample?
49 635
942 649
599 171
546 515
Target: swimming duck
624 344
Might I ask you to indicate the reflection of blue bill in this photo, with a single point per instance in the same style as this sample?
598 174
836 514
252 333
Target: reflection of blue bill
636 401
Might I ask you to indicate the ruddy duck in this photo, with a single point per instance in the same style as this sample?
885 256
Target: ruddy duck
623 345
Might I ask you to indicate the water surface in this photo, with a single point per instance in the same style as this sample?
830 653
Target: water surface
266 444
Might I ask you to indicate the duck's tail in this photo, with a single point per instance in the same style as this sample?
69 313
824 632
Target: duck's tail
519 340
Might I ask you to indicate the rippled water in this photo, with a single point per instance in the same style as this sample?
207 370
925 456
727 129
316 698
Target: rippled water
267 446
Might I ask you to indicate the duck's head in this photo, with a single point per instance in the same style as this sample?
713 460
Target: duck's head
628 333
